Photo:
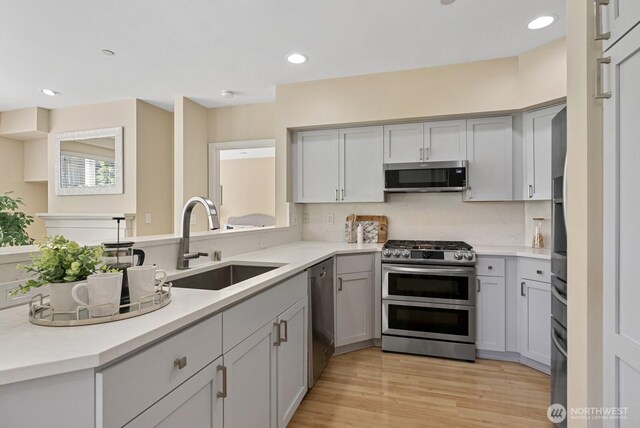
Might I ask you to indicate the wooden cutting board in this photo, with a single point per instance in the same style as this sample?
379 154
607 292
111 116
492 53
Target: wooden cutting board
380 219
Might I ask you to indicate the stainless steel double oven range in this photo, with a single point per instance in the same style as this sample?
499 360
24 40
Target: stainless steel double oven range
429 298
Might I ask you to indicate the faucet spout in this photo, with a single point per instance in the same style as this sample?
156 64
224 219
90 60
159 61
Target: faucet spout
214 223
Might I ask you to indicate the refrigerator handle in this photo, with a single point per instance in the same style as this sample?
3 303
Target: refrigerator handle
564 194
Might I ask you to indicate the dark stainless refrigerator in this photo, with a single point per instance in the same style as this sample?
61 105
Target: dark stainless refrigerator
559 261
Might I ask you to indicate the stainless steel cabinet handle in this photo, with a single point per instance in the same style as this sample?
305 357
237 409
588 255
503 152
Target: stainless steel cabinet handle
539 272
336 194
223 393
342 194
479 284
600 94
420 153
427 153
490 267
522 289
599 34
286 330
180 363
469 193
339 284
278 340
530 191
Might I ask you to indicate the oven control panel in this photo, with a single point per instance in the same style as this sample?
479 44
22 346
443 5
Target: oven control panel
462 257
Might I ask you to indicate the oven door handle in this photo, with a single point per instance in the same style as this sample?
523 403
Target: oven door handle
558 296
556 342
447 270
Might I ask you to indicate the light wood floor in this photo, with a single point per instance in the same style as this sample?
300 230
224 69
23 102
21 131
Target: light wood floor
369 388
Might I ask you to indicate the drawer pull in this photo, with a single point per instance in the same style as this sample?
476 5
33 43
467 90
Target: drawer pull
539 272
286 331
223 393
278 340
522 289
180 363
600 35
490 267
339 284
479 284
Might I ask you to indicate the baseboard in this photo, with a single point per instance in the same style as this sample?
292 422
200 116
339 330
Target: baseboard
354 346
515 357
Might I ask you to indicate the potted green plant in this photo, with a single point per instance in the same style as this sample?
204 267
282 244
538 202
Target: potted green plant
61 264
13 222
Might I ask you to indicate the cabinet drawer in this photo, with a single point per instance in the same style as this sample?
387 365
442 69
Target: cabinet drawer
535 269
126 389
354 263
242 320
490 266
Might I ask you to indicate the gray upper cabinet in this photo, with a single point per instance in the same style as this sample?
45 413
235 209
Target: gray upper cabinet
403 143
317 166
430 141
361 174
445 140
618 18
339 165
489 151
537 153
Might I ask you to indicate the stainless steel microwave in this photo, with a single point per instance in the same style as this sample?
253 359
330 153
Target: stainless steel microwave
439 176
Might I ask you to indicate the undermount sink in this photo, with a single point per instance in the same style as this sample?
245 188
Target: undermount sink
222 277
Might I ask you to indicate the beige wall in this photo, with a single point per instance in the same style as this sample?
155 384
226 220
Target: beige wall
190 159
238 123
12 179
23 124
249 187
154 186
459 89
105 115
36 160
584 141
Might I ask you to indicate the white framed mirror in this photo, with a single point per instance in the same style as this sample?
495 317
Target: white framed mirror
89 162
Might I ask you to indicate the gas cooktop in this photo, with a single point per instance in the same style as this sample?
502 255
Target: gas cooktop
428 252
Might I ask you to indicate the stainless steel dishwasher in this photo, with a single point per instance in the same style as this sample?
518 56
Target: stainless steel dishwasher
321 316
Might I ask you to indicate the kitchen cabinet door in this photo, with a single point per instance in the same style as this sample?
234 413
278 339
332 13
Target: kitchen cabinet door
317 176
403 143
445 140
621 231
490 313
194 403
619 17
534 321
292 360
354 317
537 152
251 381
361 159
489 151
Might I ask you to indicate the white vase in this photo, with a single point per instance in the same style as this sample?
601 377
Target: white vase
61 300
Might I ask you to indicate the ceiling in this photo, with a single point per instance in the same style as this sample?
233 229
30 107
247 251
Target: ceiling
197 48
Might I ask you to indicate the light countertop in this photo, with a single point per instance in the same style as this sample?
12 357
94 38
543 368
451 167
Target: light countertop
35 351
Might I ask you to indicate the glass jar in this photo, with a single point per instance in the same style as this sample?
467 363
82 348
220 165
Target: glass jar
538 237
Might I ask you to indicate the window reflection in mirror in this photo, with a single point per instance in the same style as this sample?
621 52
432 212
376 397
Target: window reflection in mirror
89 162
247 185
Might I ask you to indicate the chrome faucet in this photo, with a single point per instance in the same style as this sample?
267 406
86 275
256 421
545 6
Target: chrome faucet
212 214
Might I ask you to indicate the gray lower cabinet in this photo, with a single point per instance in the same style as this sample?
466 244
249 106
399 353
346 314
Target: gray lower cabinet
490 313
196 403
354 299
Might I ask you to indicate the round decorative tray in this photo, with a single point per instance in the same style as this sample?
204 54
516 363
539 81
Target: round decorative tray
41 312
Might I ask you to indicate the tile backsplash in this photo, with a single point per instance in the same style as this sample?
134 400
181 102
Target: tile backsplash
441 216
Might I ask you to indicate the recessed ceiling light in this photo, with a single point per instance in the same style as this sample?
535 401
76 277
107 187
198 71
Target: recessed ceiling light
227 94
446 2
541 22
49 92
108 52
297 58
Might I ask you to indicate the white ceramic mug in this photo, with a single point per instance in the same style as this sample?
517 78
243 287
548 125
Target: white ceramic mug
142 282
103 290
